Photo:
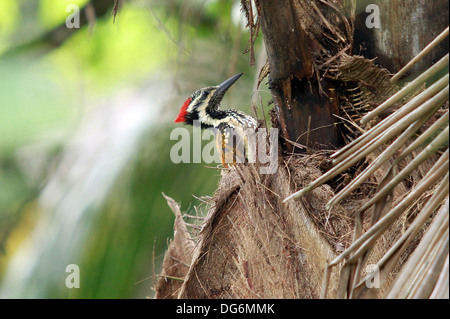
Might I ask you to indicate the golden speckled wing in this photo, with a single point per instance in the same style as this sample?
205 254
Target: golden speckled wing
233 136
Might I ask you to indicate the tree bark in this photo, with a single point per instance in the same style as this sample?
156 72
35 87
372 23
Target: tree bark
406 27
305 114
252 243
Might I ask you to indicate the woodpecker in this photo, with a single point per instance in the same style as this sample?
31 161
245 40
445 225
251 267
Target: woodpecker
203 108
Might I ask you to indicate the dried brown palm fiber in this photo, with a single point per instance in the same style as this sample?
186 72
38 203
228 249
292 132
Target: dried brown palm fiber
177 258
252 245
363 85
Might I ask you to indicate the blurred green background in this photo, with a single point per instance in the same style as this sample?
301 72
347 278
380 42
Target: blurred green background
85 120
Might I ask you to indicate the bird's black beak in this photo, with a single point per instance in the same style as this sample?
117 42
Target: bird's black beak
223 87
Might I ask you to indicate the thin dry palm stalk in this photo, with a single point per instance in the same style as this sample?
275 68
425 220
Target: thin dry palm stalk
403 132
438 143
441 37
425 275
362 242
384 132
441 289
379 130
432 71
391 258
411 87
390 151
253 24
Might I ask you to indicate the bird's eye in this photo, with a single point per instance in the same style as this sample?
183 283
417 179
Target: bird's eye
204 93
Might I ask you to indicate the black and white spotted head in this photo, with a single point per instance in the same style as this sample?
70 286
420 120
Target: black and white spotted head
203 105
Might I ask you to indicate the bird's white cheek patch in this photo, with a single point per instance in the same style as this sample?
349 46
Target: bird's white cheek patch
191 106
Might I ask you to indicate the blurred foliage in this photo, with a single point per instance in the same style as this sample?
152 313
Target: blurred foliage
44 95
52 13
138 218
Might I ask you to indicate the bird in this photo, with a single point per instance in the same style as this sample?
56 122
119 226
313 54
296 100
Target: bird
231 126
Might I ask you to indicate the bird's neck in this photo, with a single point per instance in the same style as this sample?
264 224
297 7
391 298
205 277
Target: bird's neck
207 117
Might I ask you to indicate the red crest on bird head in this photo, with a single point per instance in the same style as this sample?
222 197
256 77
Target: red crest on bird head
183 112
